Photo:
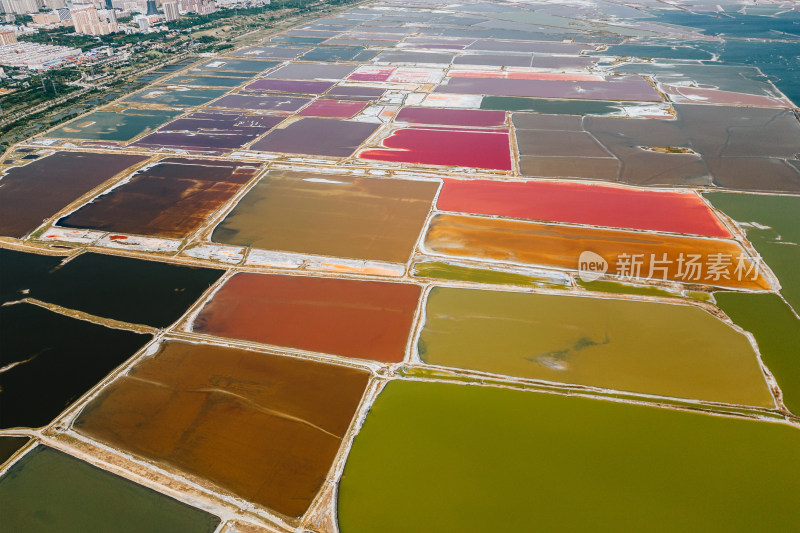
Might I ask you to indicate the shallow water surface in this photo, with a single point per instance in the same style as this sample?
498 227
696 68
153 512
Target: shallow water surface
645 347
48 490
471 458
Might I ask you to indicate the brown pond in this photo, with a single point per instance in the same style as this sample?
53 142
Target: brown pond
329 214
263 427
170 199
31 194
362 319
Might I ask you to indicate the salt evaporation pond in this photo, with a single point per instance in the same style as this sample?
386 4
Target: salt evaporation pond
634 346
471 458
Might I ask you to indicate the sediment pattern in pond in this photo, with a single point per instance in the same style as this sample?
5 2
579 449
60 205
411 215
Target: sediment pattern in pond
263 427
362 319
330 214
646 347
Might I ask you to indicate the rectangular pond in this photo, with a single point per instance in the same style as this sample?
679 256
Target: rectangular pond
48 490
333 109
629 255
50 360
613 88
121 288
176 96
361 319
263 427
488 149
32 193
122 125
331 215
280 103
312 71
317 136
472 458
210 132
169 199
580 203
633 346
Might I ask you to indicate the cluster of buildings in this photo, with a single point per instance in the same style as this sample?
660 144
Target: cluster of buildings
36 56
89 17
88 20
99 17
170 9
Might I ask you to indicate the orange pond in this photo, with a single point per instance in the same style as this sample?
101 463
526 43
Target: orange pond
264 427
362 319
630 255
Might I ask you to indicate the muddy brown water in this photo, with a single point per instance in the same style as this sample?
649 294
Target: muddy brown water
329 214
30 194
264 427
362 319
170 199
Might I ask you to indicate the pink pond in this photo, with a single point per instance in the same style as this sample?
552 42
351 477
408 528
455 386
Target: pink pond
452 117
488 149
371 74
333 109
581 203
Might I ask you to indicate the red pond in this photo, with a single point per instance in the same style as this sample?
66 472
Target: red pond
581 203
487 149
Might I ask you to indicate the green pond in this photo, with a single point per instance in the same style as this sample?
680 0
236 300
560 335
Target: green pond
10 445
112 126
777 332
48 490
448 457
442 270
775 235
551 106
672 350
204 81
178 97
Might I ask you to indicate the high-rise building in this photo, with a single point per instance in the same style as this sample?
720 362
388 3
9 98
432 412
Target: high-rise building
189 6
202 7
142 21
89 21
170 10
151 8
21 7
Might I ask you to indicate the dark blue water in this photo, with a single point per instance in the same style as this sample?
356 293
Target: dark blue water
769 42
